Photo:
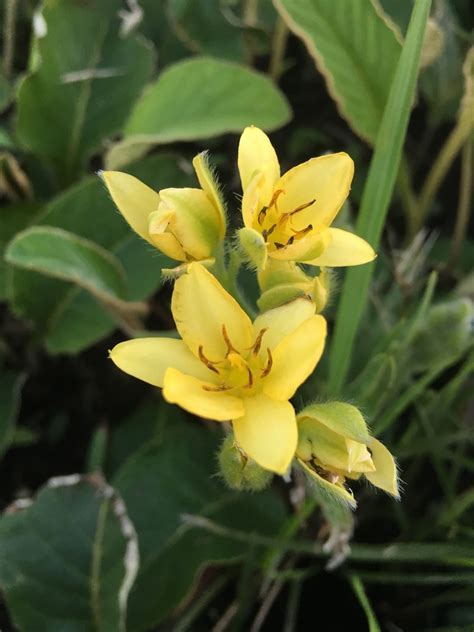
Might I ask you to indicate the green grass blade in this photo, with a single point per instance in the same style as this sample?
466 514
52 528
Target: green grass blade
359 590
378 193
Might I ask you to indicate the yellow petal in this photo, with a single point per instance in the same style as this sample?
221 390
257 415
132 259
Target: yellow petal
359 458
251 199
267 432
385 475
190 393
315 440
191 218
326 180
282 321
148 359
256 154
201 308
134 199
295 358
160 237
210 186
305 249
344 249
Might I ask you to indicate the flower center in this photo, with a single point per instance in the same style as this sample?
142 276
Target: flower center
240 372
276 227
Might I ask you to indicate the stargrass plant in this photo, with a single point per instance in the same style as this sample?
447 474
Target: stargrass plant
237 360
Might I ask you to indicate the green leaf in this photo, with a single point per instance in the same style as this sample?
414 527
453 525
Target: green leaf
203 27
355 48
11 384
67 562
84 78
15 217
377 194
200 98
63 255
171 476
71 319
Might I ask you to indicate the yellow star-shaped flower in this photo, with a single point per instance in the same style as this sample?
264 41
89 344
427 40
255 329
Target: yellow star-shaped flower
227 368
291 215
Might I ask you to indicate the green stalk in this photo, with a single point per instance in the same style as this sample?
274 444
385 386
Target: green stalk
377 194
465 198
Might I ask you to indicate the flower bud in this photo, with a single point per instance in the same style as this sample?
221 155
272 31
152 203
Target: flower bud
334 445
186 224
239 471
283 281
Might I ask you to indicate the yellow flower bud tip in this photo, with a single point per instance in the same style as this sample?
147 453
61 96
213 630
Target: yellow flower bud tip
229 369
294 212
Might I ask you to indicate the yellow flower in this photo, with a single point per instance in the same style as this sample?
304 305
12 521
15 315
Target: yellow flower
185 224
292 214
334 444
226 368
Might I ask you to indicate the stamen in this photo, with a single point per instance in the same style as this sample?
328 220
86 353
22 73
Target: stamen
302 207
278 246
273 201
230 346
216 389
250 382
268 366
206 361
266 233
262 214
301 233
258 342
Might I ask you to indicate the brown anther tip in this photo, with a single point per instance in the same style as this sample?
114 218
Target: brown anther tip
268 366
206 361
255 348
250 382
216 389
230 346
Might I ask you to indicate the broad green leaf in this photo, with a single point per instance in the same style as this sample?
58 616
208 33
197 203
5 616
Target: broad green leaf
14 218
200 98
67 562
204 27
11 384
62 255
356 50
173 475
69 318
84 77
378 193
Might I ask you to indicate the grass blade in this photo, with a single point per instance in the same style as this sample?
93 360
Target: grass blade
378 193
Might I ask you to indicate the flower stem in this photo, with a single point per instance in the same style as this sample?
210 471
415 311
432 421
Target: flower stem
9 37
280 38
465 197
439 170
